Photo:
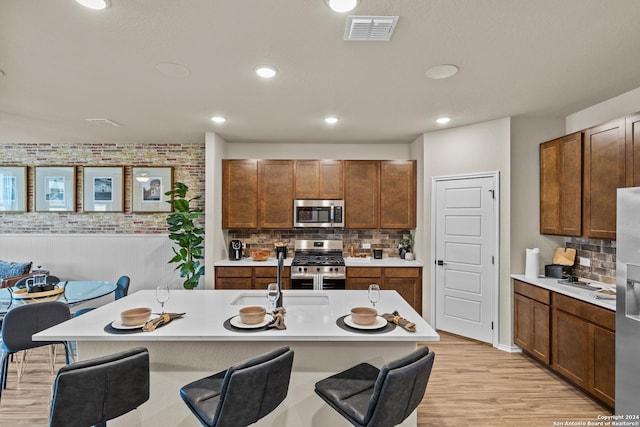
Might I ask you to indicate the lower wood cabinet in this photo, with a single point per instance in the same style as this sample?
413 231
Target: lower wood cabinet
249 277
407 281
533 320
234 278
574 338
583 343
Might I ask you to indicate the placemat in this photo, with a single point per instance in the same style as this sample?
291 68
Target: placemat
111 330
340 322
228 326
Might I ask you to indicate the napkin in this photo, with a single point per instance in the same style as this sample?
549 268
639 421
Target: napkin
278 319
400 321
163 319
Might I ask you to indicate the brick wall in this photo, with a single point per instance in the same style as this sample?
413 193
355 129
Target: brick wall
188 161
601 253
264 239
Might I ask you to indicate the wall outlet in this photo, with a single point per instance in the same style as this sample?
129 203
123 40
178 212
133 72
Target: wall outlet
366 246
585 262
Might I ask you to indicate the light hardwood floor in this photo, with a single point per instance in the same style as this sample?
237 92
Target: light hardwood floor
472 384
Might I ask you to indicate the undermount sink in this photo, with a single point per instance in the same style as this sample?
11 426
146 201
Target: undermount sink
289 299
578 284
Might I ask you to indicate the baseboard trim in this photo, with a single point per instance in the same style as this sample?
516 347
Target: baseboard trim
509 348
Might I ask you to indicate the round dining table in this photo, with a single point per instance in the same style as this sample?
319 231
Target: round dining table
71 292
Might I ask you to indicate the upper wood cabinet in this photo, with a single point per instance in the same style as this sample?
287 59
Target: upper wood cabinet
276 193
632 127
380 194
318 179
260 193
610 159
257 194
604 173
398 194
240 194
361 193
561 186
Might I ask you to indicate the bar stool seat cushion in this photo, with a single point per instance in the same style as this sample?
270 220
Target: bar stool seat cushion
367 396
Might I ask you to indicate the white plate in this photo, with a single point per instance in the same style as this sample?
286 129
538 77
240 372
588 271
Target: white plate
380 323
235 321
117 324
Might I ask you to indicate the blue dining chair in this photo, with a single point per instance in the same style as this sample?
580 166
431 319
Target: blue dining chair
18 327
122 289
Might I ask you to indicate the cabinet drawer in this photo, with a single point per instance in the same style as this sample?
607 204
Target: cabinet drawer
233 283
589 312
364 272
265 271
233 271
360 283
533 292
401 272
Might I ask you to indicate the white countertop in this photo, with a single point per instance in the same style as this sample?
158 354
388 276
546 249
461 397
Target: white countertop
349 262
585 295
206 311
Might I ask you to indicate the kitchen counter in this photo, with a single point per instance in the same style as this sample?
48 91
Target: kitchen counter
311 315
384 262
249 262
585 295
349 262
198 345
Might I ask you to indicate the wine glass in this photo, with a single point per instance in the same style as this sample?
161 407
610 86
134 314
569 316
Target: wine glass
272 296
374 294
162 295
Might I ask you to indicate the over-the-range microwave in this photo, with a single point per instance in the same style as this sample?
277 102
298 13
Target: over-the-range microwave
318 213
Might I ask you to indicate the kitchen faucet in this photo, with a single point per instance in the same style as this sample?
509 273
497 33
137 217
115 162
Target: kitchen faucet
279 279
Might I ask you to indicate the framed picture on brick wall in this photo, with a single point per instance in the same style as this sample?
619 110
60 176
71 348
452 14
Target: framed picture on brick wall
13 189
103 189
55 188
148 185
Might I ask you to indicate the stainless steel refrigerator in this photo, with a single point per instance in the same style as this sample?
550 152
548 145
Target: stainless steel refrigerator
628 302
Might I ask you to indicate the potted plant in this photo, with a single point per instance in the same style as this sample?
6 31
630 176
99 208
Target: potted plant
186 234
405 245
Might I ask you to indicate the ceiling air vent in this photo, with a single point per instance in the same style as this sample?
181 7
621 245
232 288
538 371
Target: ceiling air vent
104 123
376 28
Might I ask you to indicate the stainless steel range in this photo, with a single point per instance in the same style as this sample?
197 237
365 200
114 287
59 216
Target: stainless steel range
318 264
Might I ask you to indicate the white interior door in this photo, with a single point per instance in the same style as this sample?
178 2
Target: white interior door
466 284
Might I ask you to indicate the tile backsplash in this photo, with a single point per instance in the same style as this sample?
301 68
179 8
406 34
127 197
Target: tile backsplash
601 253
264 239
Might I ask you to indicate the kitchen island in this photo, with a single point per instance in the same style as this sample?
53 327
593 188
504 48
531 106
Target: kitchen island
199 345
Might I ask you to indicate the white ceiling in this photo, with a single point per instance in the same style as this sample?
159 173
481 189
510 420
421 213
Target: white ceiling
64 63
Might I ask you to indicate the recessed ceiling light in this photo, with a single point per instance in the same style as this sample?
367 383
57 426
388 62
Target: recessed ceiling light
266 71
218 119
95 4
443 120
443 71
342 6
331 120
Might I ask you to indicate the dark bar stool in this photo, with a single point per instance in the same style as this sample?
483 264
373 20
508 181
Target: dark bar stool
369 397
242 394
94 391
